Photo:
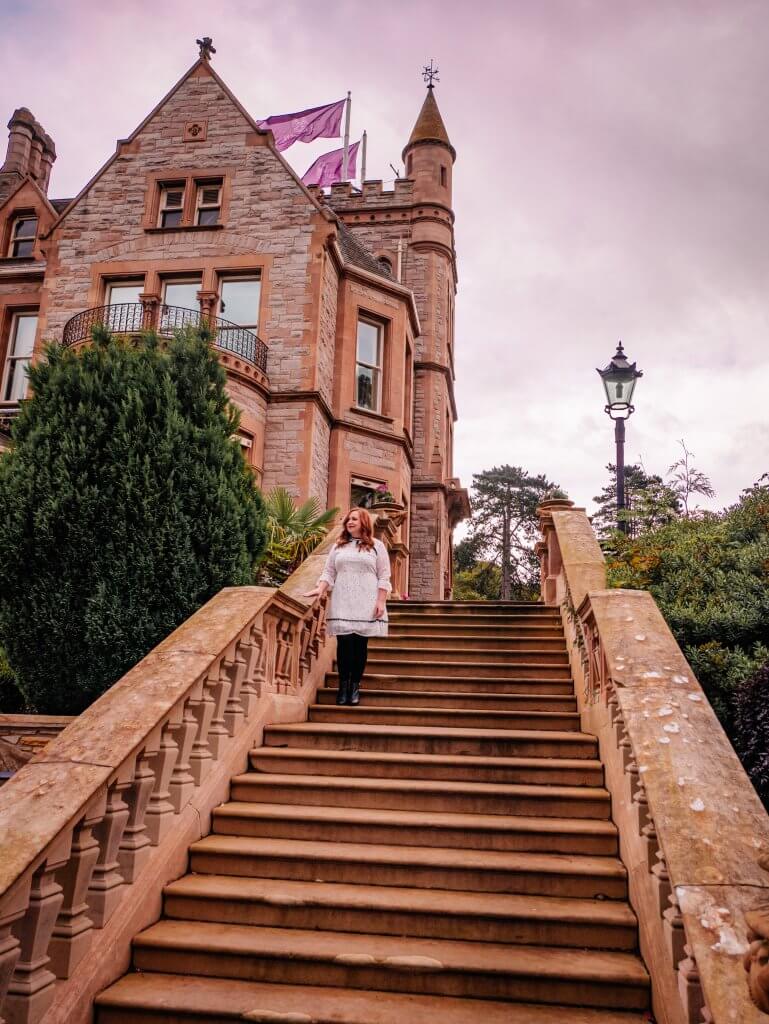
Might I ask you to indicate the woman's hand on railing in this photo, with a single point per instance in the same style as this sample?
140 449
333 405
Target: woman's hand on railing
319 590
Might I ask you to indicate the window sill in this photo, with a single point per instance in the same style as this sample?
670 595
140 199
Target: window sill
180 228
23 261
370 412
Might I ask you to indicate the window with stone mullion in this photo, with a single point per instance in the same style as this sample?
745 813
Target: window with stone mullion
368 367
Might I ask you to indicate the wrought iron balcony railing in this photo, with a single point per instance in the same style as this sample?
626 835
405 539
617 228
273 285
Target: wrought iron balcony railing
133 317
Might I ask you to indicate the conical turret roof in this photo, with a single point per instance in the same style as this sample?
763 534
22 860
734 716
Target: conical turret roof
429 126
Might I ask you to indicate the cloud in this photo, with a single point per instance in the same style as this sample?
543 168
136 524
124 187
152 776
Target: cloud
610 183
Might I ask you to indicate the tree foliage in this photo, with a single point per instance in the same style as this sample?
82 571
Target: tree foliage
503 527
710 578
650 503
686 480
751 732
294 531
126 505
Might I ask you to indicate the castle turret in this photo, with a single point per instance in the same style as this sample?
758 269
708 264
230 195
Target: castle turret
429 155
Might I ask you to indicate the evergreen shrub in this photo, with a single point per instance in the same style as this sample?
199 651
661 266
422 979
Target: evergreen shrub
126 504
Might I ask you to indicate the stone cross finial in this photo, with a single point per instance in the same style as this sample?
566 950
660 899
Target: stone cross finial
430 74
206 45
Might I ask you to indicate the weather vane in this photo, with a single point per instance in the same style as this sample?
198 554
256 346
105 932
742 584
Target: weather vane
206 45
430 74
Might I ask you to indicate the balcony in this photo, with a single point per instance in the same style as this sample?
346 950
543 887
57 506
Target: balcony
133 318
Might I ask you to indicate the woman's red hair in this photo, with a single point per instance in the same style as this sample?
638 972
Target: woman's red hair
366 539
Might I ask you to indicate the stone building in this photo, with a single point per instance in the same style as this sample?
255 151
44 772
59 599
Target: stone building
334 313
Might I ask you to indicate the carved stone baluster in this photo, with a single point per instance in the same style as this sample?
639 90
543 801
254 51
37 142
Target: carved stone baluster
756 959
640 802
203 705
220 684
675 935
254 650
135 846
13 907
73 930
690 988
32 986
661 880
235 713
182 784
107 884
160 811
651 843
283 655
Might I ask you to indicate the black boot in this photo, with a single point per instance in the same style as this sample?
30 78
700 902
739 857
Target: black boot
354 693
343 691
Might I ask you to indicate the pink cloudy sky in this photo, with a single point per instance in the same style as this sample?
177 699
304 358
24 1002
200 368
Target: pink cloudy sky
612 181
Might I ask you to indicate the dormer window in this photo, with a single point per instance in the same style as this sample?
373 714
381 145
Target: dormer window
171 205
23 234
209 203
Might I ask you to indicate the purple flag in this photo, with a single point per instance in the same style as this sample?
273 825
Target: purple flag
328 168
306 125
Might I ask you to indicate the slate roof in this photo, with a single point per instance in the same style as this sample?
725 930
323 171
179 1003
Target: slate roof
356 253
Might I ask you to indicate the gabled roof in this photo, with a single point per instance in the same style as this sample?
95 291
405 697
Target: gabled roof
201 66
429 126
28 180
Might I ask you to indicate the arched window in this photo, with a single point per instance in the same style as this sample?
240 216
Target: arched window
386 265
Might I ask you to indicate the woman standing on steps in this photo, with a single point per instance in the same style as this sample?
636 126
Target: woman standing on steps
357 573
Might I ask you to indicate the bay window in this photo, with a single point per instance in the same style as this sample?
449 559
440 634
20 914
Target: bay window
368 367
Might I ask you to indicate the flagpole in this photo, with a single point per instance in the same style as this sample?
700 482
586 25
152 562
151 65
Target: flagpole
346 157
363 160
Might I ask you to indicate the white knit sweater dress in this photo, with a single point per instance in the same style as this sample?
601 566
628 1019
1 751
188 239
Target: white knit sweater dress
354 576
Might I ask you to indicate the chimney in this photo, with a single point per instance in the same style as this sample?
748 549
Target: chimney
36 151
49 156
21 130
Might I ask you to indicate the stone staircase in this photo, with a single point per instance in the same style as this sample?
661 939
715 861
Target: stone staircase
443 852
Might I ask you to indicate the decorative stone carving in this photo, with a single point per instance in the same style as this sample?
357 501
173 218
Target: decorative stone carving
72 932
135 845
689 987
31 989
160 811
757 957
106 888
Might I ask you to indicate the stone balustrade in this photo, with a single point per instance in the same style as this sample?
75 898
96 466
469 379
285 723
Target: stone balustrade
693 833
94 826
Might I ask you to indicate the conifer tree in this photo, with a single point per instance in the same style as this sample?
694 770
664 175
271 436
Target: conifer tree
125 504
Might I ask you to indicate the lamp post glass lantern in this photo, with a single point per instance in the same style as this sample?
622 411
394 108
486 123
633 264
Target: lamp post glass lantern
619 379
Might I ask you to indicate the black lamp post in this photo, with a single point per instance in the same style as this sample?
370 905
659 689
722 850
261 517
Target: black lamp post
619 381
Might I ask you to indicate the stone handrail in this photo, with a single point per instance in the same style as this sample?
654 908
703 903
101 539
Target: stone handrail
118 796
693 833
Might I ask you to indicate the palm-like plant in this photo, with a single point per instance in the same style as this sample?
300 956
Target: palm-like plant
293 530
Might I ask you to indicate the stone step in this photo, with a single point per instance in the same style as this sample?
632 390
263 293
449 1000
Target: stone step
533 771
482 608
536 874
456 699
466 642
174 999
423 626
463 684
481 655
393 963
543 618
422 913
356 735
308 822
467 798
447 718
386 663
